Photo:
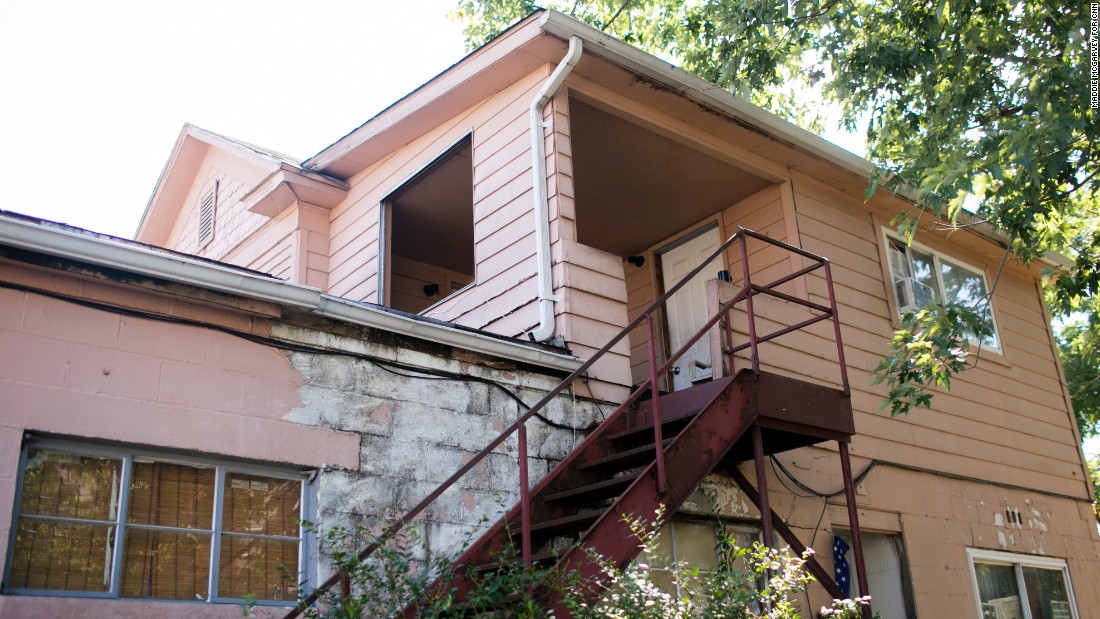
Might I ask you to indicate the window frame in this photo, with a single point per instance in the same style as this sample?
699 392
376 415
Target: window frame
938 257
385 261
127 455
751 528
1018 562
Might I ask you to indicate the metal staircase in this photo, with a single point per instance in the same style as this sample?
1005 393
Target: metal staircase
655 452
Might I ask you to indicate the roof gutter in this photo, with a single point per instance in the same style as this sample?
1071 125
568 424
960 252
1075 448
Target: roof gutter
694 87
545 279
123 255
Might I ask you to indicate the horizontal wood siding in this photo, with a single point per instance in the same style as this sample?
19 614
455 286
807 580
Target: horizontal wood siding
504 246
1005 420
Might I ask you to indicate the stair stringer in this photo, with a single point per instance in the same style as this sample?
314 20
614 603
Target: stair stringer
696 452
727 406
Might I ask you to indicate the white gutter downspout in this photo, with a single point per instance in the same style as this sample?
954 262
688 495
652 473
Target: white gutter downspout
545 279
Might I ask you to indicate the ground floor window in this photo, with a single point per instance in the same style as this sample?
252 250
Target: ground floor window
697 544
1013 586
99 521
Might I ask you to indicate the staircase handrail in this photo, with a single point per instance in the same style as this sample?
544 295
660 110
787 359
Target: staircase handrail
519 425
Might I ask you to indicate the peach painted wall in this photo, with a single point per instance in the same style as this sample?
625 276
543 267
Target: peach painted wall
82 372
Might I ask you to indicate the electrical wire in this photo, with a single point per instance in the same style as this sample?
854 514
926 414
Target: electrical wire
825 495
398 368
392 367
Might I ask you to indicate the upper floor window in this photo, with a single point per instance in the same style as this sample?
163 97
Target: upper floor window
428 233
102 522
1012 586
920 276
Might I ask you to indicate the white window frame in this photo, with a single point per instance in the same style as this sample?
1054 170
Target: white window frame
127 456
1018 562
938 257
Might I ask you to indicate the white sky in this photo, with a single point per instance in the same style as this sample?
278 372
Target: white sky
94 94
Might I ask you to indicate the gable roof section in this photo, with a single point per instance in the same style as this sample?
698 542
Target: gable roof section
540 39
286 181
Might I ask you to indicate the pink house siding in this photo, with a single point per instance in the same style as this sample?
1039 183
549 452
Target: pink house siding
373 440
76 371
232 222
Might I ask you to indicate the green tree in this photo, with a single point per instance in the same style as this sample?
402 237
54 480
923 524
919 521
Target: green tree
981 104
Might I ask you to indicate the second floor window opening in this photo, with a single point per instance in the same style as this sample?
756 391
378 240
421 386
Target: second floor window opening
428 233
920 276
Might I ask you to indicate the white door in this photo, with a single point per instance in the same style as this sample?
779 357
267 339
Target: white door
686 311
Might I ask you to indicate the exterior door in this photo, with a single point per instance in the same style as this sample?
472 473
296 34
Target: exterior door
686 311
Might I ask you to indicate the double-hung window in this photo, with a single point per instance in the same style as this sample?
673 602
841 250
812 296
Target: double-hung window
95 521
920 276
1012 586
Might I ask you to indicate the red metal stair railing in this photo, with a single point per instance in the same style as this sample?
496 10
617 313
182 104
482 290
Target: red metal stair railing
651 384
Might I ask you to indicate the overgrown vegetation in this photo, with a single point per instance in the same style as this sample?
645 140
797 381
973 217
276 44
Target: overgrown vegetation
929 346
750 583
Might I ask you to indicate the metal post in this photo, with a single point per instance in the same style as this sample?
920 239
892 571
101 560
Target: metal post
345 587
729 343
853 522
836 330
524 498
658 439
748 302
762 484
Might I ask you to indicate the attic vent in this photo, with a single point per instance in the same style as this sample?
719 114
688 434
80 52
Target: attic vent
206 217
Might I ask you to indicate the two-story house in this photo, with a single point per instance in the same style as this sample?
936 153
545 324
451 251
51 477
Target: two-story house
330 339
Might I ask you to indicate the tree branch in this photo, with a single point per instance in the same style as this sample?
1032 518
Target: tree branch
622 8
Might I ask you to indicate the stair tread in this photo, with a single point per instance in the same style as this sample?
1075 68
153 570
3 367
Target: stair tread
536 559
595 488
566 521
648 428
622 455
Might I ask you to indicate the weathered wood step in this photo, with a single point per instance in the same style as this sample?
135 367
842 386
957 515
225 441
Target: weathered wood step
540 558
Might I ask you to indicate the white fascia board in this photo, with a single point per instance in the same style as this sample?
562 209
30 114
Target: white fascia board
378 318
125 256
145 261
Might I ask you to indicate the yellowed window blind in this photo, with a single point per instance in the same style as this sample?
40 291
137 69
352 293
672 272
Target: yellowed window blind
170 540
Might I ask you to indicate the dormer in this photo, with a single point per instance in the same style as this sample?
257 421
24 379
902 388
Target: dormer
231 201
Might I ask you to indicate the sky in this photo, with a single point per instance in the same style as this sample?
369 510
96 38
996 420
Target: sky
94 94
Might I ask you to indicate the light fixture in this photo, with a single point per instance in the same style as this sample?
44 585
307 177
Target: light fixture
430 289
637 261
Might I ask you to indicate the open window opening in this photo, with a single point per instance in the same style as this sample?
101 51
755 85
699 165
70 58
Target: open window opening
428 233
